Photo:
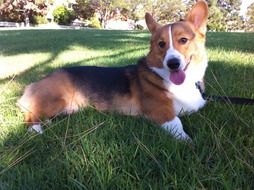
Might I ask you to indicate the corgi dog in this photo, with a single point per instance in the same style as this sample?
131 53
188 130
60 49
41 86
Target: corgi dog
160 87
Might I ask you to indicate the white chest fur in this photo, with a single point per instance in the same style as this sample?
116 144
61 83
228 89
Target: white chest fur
186 97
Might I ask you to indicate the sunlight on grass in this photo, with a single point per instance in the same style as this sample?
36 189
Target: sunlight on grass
84 56
77 53
230 72
15 64
232 57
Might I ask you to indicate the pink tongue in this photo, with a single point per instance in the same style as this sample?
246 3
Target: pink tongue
177 77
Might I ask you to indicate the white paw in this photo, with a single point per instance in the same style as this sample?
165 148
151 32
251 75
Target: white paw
175 128
37 128
48 121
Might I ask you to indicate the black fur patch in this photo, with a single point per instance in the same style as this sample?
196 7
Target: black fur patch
101 82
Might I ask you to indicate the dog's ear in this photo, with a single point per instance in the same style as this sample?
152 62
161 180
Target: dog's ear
198 16
152 25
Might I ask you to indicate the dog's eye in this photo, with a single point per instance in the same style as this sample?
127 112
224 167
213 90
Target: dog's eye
183 40
162 44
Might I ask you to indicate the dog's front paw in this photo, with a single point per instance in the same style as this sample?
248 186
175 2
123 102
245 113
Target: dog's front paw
175 128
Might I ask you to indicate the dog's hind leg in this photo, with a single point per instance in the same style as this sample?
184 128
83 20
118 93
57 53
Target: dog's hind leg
38 111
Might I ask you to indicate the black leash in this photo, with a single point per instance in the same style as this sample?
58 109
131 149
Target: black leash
224 99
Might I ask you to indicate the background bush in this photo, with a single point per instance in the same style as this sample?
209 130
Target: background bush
38 19
94 22
63 16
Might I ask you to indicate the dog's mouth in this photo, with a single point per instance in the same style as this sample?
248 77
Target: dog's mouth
177 76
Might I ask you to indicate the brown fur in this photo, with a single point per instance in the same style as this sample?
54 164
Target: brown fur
155 104
50 96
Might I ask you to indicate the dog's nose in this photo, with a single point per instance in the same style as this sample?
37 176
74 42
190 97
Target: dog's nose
173 63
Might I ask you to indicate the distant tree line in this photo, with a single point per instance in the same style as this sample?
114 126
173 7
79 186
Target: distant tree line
224 14
250 16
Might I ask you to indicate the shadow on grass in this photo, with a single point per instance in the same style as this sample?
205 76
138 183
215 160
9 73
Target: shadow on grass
86 150
17 42
223 78
55 42
36 72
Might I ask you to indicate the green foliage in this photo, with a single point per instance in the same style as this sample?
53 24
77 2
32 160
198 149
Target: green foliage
94 22
224 15
250 18
164 11
105 9
84 9
38 19
62 15
216 20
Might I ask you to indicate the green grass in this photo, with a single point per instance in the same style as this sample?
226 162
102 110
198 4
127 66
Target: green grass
95 150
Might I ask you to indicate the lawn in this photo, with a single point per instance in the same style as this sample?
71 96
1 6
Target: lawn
95 150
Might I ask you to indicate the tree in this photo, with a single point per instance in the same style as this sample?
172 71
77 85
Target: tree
224 15
19 10
229 5
165 10
250 18
231 13
106 8
62 15
216 20
132 8
84 9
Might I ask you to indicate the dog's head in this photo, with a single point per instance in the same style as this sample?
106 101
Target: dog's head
175 46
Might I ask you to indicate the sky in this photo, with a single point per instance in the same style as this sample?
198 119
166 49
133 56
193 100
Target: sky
245 4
